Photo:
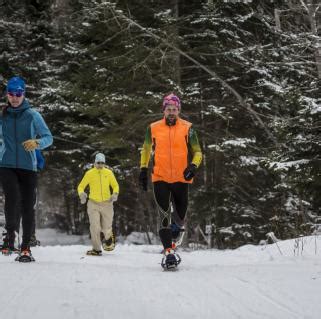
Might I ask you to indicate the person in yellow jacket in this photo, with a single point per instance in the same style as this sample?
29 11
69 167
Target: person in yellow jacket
176 155
100 204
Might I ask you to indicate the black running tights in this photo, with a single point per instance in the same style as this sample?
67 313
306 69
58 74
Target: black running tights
19 187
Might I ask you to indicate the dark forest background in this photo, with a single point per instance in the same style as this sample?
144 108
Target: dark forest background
249 78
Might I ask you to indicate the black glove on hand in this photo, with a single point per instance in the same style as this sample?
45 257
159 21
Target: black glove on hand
189 172
143 178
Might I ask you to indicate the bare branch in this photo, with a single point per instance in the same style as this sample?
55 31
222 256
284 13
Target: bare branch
304 6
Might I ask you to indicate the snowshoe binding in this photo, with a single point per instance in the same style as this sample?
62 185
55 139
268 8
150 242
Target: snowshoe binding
170 260
93 252
109 244
25 256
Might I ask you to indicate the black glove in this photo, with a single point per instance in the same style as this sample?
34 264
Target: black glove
189 172
143 178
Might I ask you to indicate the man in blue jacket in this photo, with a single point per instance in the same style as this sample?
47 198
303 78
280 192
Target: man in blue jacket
22 131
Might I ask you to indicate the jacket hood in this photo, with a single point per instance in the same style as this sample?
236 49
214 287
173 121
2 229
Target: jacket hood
23 106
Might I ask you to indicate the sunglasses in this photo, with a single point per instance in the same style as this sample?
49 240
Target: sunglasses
16 94
100 163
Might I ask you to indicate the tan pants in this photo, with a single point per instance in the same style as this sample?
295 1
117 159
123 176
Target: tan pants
101 220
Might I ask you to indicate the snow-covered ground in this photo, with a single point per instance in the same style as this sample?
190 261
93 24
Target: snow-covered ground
271 281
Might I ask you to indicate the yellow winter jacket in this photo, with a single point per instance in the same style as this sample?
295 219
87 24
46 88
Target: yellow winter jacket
99 182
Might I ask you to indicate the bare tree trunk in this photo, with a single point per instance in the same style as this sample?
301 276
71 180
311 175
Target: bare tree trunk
277 19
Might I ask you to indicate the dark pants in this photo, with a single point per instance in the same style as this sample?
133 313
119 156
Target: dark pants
19 187
33 228
165 194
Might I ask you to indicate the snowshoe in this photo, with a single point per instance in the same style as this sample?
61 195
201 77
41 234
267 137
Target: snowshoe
25 256
109 244
34 242
170 260
93 252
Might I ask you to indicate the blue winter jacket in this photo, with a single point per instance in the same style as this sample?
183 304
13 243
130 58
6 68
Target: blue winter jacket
16 126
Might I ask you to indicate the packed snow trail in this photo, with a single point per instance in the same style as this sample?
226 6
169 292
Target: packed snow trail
250 282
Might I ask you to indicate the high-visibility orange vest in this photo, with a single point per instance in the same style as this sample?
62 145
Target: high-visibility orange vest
170 150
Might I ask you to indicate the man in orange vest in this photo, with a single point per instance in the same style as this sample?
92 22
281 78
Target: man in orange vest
171 141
